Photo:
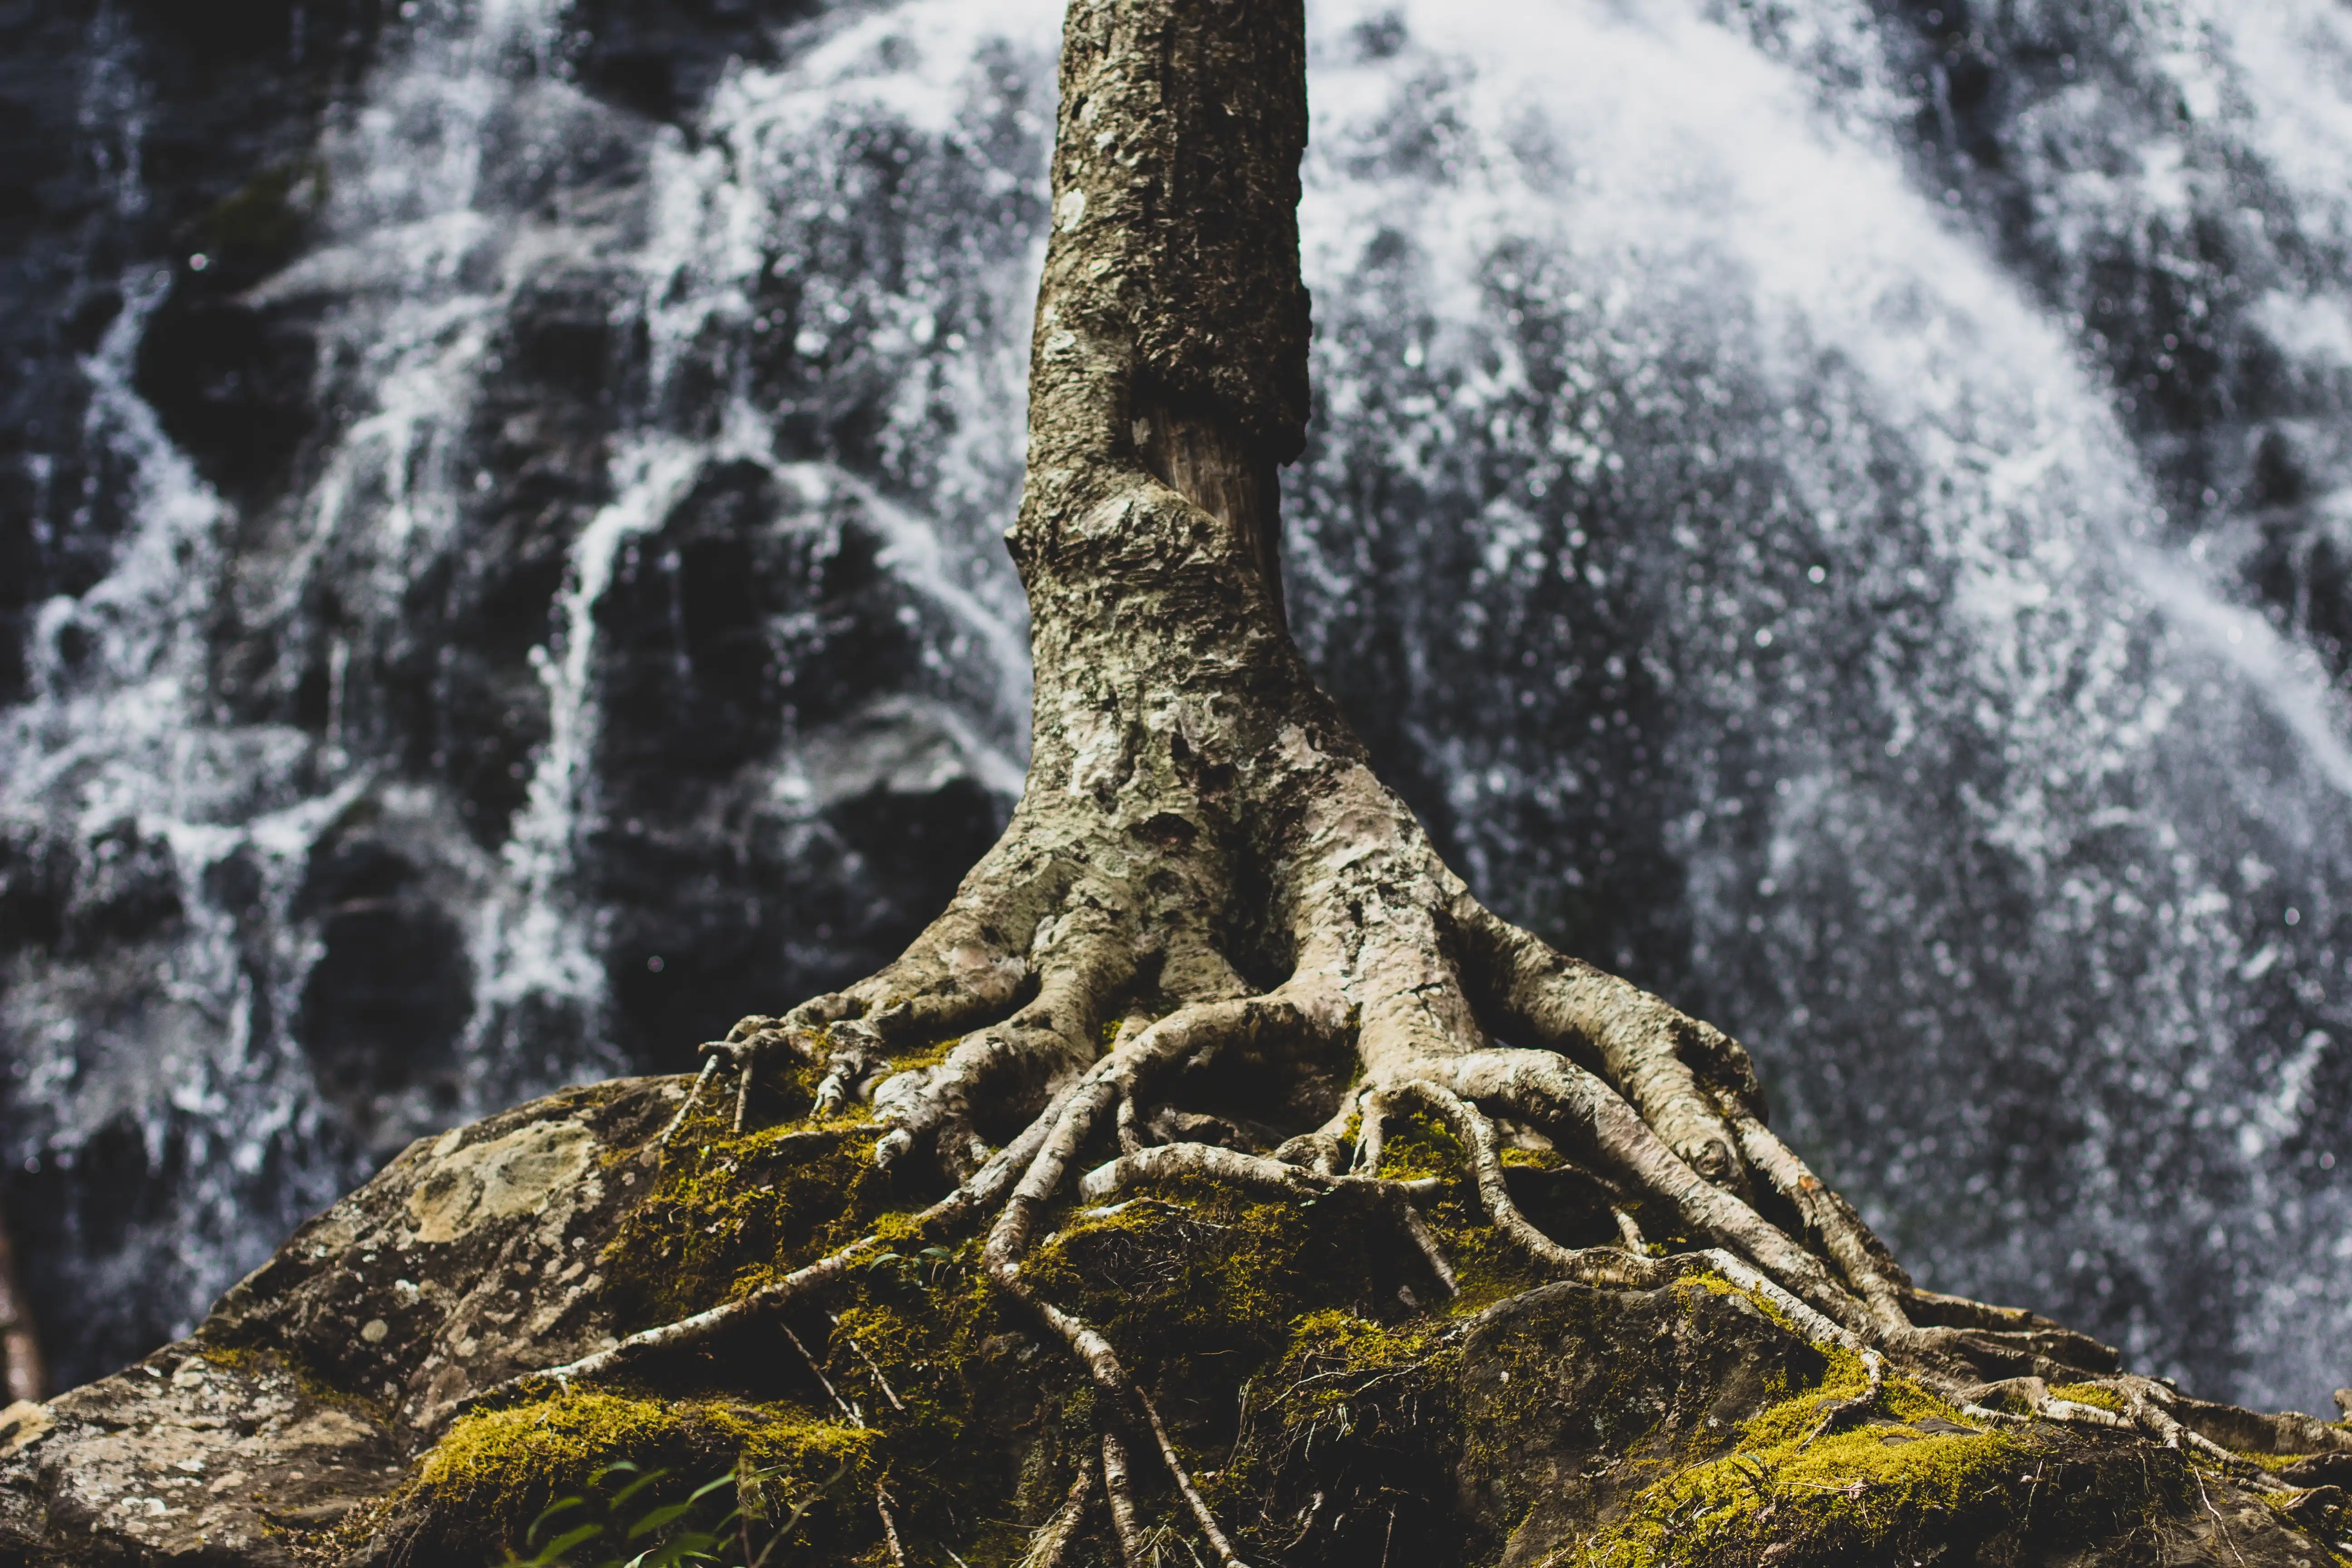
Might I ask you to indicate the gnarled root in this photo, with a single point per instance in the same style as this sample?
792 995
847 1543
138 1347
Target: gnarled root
1055 1540
2152 1409
1087 980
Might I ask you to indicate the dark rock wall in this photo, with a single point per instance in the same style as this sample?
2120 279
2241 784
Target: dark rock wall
1837 510
376 367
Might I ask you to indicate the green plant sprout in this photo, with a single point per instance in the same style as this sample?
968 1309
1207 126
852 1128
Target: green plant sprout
593 1522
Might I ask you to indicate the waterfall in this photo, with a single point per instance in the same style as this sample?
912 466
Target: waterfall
1799 594
1836 510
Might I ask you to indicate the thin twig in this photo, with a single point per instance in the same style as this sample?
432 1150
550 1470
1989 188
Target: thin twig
890 1525
710 1066
826 1382
879 1381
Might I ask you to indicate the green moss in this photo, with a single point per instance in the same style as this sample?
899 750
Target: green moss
1716 1285
1555 1196
1288 1362
494 1465
917 1344
1371 1405
1417 1146
2264 1461
1899 1483
237 1358
931 1057
1487 1267
924 1351
728 1215
499 1471
1216 1275
1875 1489
1332 1355
2091 1394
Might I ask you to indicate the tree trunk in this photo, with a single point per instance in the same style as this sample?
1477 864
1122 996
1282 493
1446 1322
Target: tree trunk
1204 858
1198 1183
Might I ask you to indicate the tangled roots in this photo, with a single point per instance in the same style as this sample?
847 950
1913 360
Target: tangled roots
1070 1039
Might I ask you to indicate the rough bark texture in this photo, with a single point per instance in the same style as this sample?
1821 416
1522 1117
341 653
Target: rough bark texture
1215 1178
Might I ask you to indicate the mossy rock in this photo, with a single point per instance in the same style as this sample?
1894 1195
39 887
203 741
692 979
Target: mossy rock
1337 1403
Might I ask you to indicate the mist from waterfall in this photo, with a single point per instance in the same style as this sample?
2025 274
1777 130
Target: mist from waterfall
1839 514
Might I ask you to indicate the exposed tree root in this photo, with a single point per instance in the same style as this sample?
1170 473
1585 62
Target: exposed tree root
1119 1488
1389 962
1052 1544
1864 1257
1100 1037
1840 1411
1593 1265
2146 1411
890 1528
1417 996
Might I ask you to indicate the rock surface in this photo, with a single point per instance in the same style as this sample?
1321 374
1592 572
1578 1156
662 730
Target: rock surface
320 1415
315 1382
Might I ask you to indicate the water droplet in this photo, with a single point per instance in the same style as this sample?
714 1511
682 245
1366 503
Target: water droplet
655 963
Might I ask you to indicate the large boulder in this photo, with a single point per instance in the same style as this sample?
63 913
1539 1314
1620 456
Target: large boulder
344 1404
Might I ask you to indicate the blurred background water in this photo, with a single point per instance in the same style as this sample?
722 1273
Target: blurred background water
1841 510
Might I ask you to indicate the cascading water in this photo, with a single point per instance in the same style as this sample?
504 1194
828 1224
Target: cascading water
1835 509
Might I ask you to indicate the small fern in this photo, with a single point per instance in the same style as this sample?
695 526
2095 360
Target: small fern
623 1525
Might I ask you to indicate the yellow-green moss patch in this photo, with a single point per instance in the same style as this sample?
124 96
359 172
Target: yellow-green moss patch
501 1469
729 1214
1487 1267
1214 1275
1908 1476
2092 1394
1880 1487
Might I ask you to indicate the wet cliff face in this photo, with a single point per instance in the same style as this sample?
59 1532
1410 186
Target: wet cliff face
1834 509
431 687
